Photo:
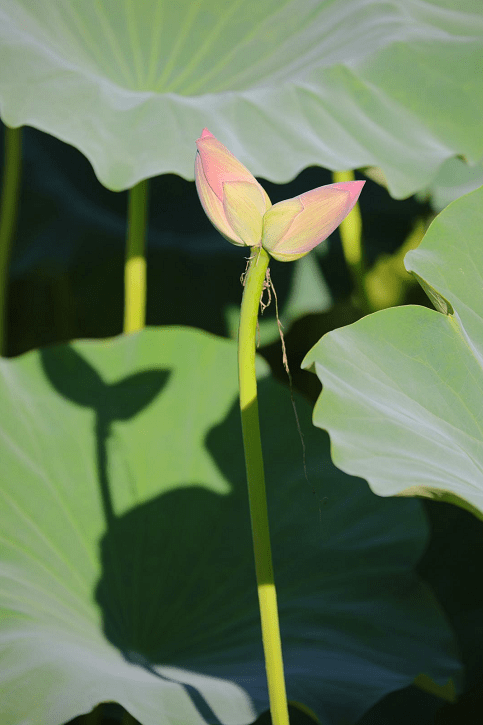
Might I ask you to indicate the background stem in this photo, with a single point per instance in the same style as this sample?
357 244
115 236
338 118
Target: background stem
135 269
350 230
8 218
267 595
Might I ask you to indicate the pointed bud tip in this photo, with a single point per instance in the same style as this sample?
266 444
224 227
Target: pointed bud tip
353 187
206 134
348 184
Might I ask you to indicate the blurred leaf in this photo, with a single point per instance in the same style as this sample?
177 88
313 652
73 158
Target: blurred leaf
341 84
387 281
446 692
126 563
454 179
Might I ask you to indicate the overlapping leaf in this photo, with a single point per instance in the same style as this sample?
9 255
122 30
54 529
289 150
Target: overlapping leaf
342 83
125 562
403 388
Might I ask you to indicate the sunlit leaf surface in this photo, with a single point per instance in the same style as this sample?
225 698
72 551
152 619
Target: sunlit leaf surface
126 570
403 388
338 83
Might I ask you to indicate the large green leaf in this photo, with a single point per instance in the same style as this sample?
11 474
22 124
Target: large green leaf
126 565
341 84
403 388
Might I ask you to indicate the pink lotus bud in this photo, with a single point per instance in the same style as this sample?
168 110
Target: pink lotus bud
240 209
232 198
293 227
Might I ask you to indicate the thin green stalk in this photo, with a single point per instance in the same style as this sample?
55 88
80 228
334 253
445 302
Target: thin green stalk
135 268
267 595
350 231
8 218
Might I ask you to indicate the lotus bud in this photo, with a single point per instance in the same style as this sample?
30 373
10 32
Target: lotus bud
240 209
293 227
232 198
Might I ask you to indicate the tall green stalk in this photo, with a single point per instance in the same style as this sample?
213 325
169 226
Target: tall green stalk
267 595
8 218
350 230
135 267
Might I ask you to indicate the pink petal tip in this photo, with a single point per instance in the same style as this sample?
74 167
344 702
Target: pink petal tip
206 134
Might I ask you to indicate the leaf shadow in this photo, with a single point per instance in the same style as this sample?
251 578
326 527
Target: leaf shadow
178 587
148 579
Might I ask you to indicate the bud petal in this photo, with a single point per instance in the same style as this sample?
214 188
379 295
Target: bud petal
213 206
244 207
292 228
219 174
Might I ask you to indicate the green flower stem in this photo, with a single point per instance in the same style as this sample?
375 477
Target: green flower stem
267 595
350 231
8 218
135 268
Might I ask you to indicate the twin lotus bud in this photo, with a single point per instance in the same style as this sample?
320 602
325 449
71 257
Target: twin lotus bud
240 209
